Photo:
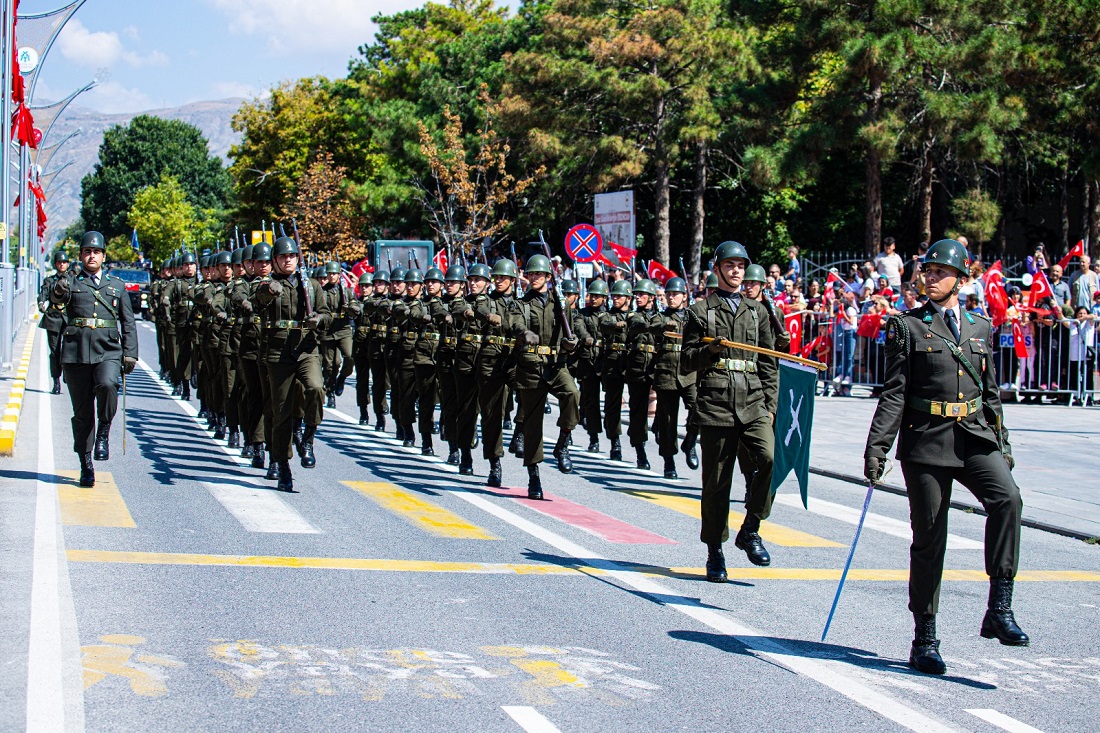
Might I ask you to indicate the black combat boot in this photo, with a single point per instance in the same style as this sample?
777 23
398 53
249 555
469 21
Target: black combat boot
87 471
515 447
247 450
257 455
409 440
234 438
495 473
308 459
924 656
426 447
643 461
185 392
534 483
339 386
380 426
219 427
452 453
670 467
399 433
364 418
272 469
593 443
330 401
507 424
466 463
716 564
561 452
286 481
999 622
175 389
296 436
204 414
748 539
56 386
688 447
102 450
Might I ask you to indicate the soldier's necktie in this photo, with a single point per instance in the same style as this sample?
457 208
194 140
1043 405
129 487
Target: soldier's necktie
949 316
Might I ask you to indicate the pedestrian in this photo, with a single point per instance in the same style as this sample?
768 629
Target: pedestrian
888 263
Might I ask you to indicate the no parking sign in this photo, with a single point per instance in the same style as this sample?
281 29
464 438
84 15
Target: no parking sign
583 243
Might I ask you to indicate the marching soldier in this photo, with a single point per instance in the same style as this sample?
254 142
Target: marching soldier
336 342
467 386
393 349
644 325
361 345
540 326
495 366
941 393
53 317
673 385
180 299
423 322
447 322
375 310
589 361
162 318
254 395
100 342
242 407
735 404
295 309
613 326
405 369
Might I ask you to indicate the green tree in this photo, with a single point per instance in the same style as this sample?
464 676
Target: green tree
164 219
136 155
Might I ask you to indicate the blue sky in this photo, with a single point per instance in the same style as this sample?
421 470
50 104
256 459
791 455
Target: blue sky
152 54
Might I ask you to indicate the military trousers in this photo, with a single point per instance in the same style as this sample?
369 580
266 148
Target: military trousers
404 388
53 339
719 455
426 389
532 406
252 394
361 361
668 418
184 356
380 384
467 388
613 384
637 429
285 377
985 473
448 392
210 377
171 347
93 391
336 361
268 421
227 376
494 373
392 358
590 404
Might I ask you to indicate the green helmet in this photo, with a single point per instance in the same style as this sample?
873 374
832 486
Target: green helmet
570 287
222 258
397 275
166 265
187 258
366 278
712 281
238 256
284 246
93 240
506 268
261 252
645 287
381 276
755 274
479 270
538 263
731 250
246 252
414 276
204 261
949 253
332 268
456 274
60 256
621 287
675 285
434 273
598 287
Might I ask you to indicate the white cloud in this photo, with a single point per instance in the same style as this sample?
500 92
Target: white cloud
96 49
112 97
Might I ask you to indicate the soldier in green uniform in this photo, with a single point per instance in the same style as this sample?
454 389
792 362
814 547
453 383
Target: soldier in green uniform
361 344
180 299
589 361
162 318
239 408
735 403
447 321
53 317
100 342
257 263
613 325
467 386
941 400
295 310
404 386
375 311
393 350
671 384
424 313
495 366
337 340
644 326
228 344
542 328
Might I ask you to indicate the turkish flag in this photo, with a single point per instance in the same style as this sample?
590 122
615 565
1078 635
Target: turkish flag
621 253
658 273
995 296
440 259
1077 251
793 323
1040 289
1018 340
869 325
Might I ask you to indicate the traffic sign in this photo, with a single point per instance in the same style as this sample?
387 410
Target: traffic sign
583 243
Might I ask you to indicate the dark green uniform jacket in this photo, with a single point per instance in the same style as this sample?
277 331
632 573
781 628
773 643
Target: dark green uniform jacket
666 371
107 302
284 316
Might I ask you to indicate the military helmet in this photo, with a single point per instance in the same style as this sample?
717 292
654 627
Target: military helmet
755 274
222 258
675 285
731 250
645 287
456 274
238 256
261 252
598 287
332 267
414 276
570 287
204 261
949 253
246 252
538 263
366 278
381 276
318 273
60 256
712 281
434 273
397 275
621 287
479 270
166 265
187 258
505 267
93 240
284 246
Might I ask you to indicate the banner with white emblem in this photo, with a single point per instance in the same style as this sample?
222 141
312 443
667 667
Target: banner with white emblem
793 421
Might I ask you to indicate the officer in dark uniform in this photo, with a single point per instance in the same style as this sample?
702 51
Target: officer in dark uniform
589 361
467 384
736 399
671 384
613 326
53 317
644 325
361 345
337 340
100 342
495 366
941 393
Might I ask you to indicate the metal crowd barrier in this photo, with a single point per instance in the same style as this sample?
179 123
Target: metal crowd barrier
18 300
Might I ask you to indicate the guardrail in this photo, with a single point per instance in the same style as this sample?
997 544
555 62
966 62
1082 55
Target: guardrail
18 300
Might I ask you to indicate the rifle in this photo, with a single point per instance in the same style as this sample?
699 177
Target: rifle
294 224
559 309
687 282
415 259
282 229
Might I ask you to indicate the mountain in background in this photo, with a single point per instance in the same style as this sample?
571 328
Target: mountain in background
63 198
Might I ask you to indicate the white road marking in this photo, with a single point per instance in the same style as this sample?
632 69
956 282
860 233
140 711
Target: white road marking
1002 721
876 522
529 719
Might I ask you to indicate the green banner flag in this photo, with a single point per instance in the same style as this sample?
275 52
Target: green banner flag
793 421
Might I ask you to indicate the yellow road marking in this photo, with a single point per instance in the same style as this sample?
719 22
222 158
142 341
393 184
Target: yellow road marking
426 515
100 506
769 531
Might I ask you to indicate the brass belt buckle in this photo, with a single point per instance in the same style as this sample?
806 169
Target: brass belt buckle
91 324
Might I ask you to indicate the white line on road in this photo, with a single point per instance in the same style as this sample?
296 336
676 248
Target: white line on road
877 522
1002 721
529 719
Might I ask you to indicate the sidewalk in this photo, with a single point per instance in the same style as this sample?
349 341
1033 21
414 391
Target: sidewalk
13 383
1057 452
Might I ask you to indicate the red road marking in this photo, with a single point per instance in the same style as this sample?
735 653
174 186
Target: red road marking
582 517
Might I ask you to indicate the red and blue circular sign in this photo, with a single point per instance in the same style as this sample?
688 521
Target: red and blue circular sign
583 243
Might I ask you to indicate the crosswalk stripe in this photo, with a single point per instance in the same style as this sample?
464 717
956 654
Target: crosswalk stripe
260 510
101 505
770 531
876 522
419 512
1002 721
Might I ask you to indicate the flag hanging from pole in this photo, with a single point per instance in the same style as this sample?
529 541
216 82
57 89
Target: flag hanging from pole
793 420
1077 250
658 273
1040 289
134 245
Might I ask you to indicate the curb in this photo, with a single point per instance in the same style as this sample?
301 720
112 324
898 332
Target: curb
900 491
9 424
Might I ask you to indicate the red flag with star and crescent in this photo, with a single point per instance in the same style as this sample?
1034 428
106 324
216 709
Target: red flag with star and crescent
1077 250
793 322
1040 289
658 273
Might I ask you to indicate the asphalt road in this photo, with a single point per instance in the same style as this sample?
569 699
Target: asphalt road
184 593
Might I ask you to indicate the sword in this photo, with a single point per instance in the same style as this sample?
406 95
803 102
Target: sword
852 551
